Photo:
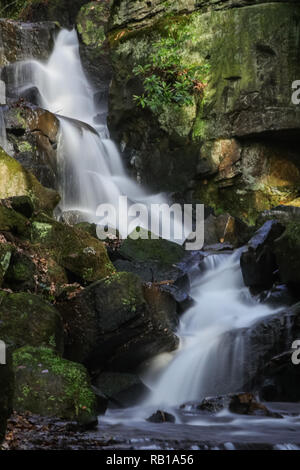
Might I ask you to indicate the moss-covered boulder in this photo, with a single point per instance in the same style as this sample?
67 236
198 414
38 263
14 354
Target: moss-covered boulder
77 251
109 325
6 391
12 221
26 319
91 24
17 181
51 386
153 259
287 250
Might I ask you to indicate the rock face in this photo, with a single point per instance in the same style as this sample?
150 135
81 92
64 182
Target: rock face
6 392
32 138
240 142
268 365
17 181
20 41
109 326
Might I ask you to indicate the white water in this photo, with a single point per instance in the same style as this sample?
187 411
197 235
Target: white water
209 363
90 167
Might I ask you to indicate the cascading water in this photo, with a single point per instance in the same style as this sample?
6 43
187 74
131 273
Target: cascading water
91 171
208 361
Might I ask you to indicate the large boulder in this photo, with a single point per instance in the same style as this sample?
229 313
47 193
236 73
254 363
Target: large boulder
27 320
109 325
240 142
82 255
48 385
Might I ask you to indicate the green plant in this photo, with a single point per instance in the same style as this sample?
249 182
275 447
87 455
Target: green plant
167 78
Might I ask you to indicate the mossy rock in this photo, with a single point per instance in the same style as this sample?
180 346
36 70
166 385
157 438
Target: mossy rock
287 250
21 204
75 250
17 181
26 319
159 250
111 326
22 272
91 22
48 385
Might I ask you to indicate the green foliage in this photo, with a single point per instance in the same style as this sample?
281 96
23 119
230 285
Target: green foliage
167 78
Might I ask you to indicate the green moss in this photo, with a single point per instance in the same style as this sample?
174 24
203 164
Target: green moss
53 386
17 181
26 319
73 249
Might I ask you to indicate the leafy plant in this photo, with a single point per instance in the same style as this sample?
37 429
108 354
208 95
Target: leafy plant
167 79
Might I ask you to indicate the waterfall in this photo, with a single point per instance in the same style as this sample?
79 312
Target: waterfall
91 171
211 360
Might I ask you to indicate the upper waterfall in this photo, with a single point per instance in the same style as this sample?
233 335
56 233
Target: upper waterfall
91 171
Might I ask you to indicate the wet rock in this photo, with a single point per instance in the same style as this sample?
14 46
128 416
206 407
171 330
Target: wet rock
278 296
263 342
21 204
12 221
6 392
161 417
50 386
17 181
26 319
83 256
258 263
162 305
109 325
121 389
239 403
